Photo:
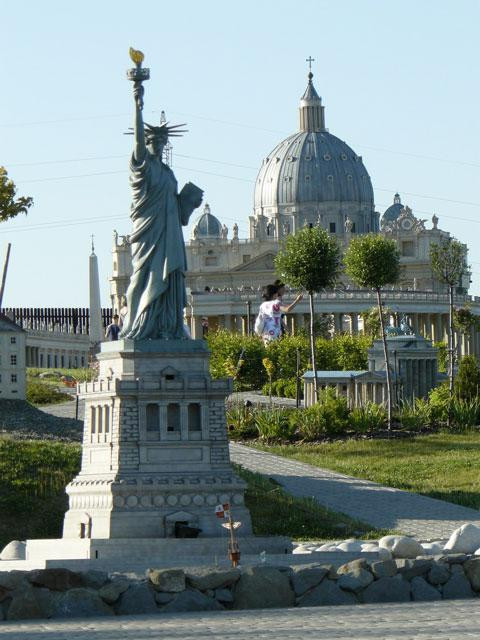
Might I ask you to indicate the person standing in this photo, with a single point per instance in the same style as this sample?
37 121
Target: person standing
268 323
113 329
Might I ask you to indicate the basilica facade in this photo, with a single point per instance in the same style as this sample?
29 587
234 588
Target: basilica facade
310 178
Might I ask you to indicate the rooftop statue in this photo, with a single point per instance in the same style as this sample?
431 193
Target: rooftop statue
156 295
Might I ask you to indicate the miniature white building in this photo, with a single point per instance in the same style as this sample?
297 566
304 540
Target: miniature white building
12 360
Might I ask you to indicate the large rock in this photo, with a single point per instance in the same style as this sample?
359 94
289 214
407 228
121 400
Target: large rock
432 548
466 539
263 588
81 603
138 598
383 568
191 600
438 574
327 593
353 565
401 546
355 580
24 605
12 579
56 579
94 579
171 580
350 545
422 591
394 589
204 580
472 569
111 591
162 597
305 578
14 550
409 568
457 587
223 595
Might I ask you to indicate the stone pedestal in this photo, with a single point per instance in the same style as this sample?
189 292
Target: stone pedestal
155 449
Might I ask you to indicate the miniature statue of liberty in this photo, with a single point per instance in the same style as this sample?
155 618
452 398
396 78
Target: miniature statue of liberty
156 295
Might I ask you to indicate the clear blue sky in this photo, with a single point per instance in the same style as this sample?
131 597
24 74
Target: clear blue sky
399 81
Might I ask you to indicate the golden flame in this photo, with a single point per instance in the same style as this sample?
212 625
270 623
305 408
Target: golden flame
136 56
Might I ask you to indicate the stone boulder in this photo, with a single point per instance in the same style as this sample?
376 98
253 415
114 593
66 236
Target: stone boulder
383 568
465 539
138 598
56 579
263 588
457 588
111 591
204 580
327 593
472 570
355 580
409 568
191 600
94 579
81 603
394 589
171 580
422 591
14 550
401 546
24 605
305 578
11 580
223 595
438 574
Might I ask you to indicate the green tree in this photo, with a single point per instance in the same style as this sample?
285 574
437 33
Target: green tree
467 382
448 260
9 207
373 261
309 260
371 321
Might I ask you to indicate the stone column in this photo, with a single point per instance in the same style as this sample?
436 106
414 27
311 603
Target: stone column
197 332
415 326
354 323
227 322
337 320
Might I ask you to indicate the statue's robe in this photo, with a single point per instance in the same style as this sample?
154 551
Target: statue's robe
156 296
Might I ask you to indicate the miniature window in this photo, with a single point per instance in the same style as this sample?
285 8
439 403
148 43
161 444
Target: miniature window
194 417
93 426
13 340
408 249
13 359
107 418
152 413
173 417
100 420
211 261
13 377
332 227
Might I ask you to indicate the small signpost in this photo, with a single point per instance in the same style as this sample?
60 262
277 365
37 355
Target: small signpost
223 511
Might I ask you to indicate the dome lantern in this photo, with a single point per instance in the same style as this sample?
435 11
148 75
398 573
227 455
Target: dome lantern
312 113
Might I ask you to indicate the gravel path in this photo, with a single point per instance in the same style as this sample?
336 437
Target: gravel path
448 620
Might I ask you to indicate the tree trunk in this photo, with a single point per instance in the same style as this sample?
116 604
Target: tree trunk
312 344
387 368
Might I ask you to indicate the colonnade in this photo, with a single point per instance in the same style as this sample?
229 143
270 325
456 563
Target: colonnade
51 358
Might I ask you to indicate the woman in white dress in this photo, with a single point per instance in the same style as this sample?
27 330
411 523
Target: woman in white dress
268 324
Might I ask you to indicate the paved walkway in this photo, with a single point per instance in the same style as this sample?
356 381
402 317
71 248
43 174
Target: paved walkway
450 620
382 507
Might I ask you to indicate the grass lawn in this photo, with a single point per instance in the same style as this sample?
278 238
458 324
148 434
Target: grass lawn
442 465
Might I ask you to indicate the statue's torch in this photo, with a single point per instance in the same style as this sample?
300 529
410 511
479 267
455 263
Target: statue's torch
138 74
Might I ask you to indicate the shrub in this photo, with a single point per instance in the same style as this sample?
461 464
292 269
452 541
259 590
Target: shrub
226 348
282 388
39 393
442 356
414 415
369 417
275 424
439 400
465 413
283 354
240 422
467 381
351 351
328 417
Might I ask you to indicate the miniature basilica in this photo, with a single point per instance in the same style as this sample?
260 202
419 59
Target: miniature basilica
310 178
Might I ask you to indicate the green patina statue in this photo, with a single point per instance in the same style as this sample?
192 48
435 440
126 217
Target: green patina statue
156 296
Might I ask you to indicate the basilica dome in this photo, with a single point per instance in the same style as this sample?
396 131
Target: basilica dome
393 211
207 225
314 177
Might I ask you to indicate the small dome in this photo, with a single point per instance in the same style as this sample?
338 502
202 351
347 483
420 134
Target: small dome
207 225
393 211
